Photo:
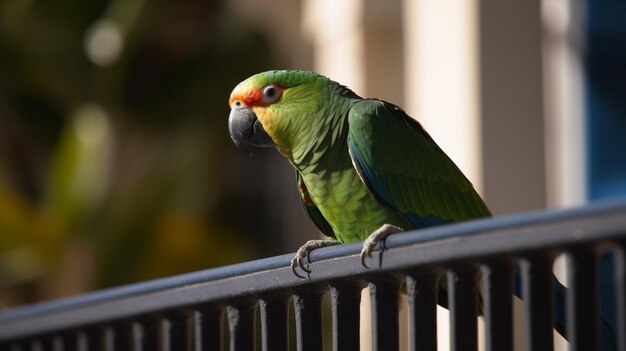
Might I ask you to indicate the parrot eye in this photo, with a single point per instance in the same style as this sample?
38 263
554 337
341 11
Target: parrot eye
270 94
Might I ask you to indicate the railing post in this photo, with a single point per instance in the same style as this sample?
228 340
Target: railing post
62 342
619 257
384 302
422 290
81 341
142 336
582 312
59 343
87 340
463 306
36 345
345 302
114 338
205 329
241 326
108 338
308 314
274 328
497 278
537 295
172 333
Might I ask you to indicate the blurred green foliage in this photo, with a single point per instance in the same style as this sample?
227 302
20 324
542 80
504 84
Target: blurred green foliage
120 169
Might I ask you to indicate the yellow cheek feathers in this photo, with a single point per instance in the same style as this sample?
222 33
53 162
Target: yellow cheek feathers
268 118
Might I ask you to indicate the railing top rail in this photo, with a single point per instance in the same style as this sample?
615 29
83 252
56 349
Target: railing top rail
517 233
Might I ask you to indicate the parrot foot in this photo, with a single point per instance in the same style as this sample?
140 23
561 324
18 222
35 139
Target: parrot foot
378 236
303 254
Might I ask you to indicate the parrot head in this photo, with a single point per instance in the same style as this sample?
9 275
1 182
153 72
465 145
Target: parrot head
249 97
269 108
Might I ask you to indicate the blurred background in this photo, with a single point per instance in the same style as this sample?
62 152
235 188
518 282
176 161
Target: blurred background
115 160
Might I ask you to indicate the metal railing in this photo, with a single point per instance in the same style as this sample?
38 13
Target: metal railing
213 309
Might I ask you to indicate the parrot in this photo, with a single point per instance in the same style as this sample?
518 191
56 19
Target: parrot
364 168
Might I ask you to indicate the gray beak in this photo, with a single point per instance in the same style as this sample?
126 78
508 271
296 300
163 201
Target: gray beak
246 129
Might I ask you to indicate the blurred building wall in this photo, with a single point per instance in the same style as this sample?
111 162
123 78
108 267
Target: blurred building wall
564 110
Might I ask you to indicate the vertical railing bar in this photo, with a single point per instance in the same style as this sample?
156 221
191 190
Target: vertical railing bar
497 278
82 341
241 326
308 316
36 345
164 335
46 343
345 303
172 334
582 311
143 336
422 295
537 294
137 337
117 337
384 302
274 330
194 331
463 306
123 335
108 338
205 332
69 342
58 343
619 271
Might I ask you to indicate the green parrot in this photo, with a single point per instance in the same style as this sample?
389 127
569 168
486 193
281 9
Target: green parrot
364 168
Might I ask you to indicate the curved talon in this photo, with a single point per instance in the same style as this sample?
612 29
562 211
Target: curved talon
377 237
303 253
294 266
298 262
363 255
366 251
383 244
301 263
305 268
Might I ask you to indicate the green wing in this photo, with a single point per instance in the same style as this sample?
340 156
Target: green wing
405 169
311 210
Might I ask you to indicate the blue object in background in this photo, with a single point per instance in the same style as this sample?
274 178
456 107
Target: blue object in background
605 101
605 76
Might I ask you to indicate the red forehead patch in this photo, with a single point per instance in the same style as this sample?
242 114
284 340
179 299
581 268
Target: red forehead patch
252 97
248 98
